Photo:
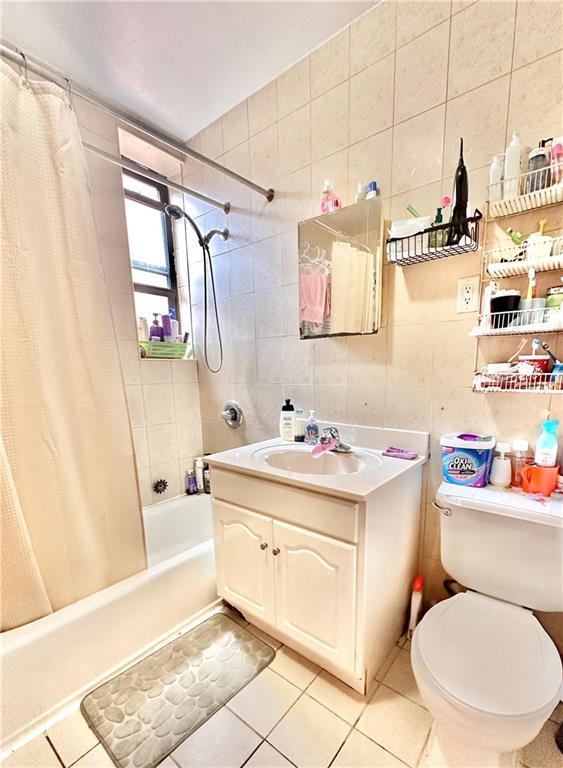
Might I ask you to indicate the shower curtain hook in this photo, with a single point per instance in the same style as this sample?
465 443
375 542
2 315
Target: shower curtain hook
24 60
69 86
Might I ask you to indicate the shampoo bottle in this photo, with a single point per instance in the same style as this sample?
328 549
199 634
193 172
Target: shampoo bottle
287 422
166 328
546 447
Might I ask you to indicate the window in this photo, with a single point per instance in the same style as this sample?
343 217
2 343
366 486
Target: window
150 246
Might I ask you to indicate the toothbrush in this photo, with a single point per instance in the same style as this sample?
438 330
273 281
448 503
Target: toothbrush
413 212
535 346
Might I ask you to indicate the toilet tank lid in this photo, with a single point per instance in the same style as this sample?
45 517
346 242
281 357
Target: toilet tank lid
503 501
492 656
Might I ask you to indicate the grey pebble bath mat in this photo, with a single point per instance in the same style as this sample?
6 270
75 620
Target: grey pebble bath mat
143 714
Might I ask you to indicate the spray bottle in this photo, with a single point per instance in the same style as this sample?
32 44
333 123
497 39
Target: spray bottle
416 604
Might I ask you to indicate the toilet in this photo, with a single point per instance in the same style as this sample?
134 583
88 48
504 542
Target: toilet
485 667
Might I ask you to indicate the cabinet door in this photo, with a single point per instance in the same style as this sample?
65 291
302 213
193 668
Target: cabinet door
243 554
316 591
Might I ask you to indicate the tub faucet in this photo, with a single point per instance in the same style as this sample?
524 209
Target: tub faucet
331 434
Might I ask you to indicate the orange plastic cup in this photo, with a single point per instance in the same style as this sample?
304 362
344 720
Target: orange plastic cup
542 480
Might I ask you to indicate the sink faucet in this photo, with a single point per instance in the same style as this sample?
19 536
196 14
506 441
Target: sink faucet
331 435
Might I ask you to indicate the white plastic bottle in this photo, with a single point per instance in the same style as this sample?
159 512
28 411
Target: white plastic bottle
512 168
495 179
199 464
287 422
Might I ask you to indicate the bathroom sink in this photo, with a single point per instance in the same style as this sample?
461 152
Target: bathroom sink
298 459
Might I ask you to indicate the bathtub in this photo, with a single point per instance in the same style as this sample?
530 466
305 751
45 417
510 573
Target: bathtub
50 664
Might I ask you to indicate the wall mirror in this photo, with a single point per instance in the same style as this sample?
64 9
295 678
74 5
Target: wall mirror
340 263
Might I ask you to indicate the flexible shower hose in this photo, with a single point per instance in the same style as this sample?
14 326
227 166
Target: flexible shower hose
207 266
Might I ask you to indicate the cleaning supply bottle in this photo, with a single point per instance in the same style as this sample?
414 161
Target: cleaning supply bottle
512 168
520 450
416 604
287 421
312 430
436 237
546 447
501 471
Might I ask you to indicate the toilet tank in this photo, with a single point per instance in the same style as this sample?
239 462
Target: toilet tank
503 544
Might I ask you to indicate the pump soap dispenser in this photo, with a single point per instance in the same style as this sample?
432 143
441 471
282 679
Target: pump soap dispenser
501 469
287 422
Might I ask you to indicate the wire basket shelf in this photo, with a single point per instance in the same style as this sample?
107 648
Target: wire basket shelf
530 190
511 260
418 248
519 322
164 349
535 383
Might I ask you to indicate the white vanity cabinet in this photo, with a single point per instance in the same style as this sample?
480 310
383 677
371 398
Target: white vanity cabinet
328 576
277 573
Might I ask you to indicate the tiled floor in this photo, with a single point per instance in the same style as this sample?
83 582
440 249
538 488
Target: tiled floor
292 714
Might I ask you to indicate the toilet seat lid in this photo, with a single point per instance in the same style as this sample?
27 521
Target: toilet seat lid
490 655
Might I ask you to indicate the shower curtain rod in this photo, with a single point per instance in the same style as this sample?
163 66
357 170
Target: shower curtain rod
131 165
34 65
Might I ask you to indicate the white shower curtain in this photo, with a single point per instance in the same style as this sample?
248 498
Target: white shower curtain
71 519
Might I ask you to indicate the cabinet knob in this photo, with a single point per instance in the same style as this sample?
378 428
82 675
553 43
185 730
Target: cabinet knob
275 551
263 545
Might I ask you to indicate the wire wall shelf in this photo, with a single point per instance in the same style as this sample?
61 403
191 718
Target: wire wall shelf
534 383
530 190
519 322
418 248
544 255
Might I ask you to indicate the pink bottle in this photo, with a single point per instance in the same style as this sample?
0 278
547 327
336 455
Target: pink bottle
326 197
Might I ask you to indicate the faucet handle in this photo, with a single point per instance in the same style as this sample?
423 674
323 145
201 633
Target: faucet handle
330 433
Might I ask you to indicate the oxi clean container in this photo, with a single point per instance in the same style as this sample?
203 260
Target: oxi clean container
467 459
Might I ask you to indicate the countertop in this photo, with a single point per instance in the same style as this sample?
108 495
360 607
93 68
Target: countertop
356 487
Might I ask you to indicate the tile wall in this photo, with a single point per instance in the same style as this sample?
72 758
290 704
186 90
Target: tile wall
387 98
162 395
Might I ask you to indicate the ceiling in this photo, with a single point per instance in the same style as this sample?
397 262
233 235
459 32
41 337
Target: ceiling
180 65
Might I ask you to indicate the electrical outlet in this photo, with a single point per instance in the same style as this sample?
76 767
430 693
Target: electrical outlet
468 294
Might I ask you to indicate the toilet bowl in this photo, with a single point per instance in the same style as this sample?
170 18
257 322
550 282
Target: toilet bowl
486 670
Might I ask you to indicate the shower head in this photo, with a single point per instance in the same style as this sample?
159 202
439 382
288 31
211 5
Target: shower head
174 211
223 234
